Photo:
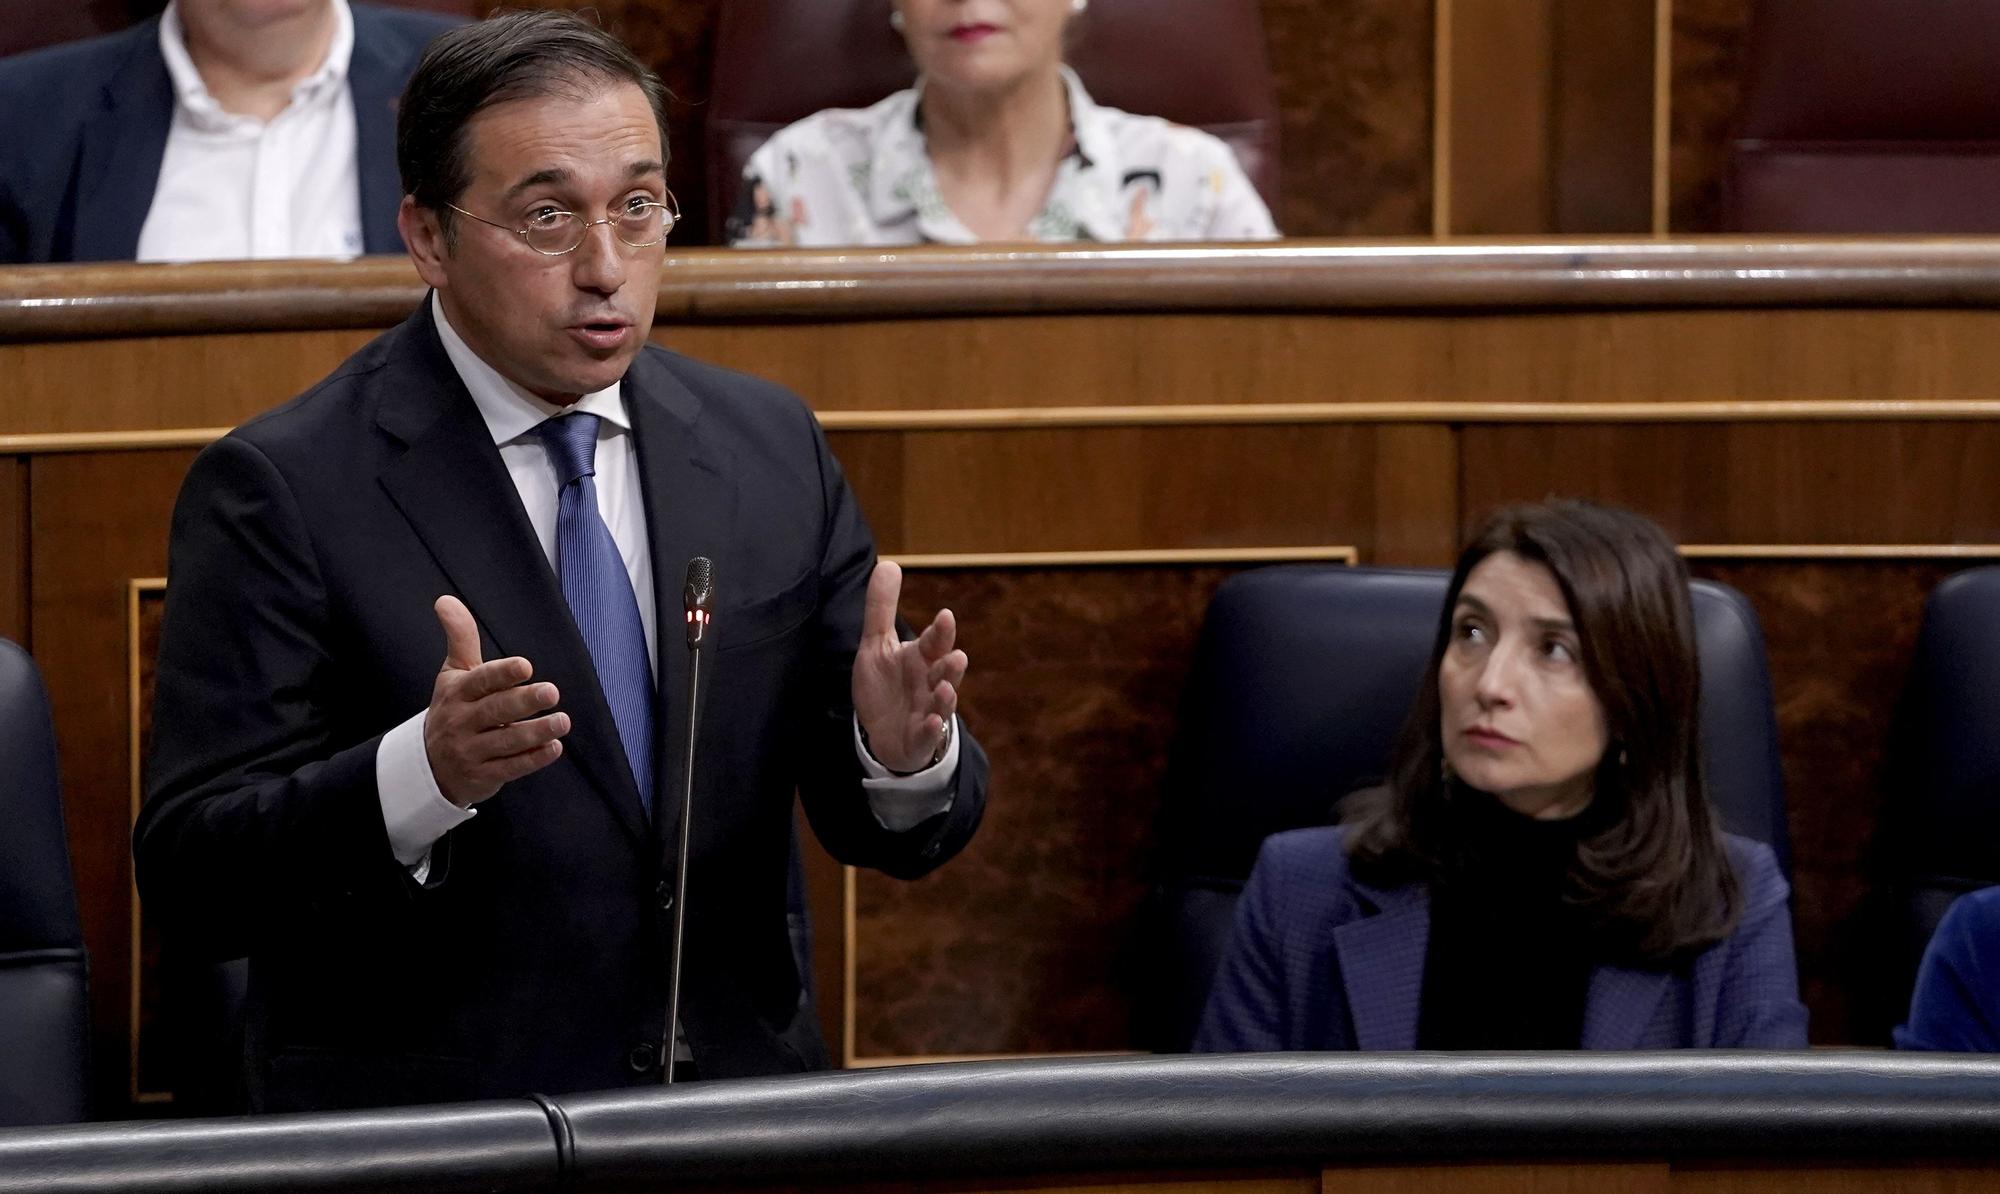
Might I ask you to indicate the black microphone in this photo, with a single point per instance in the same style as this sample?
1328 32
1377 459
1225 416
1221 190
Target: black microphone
698 599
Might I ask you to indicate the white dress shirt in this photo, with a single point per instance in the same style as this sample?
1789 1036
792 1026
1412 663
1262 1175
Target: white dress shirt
237 187
414 810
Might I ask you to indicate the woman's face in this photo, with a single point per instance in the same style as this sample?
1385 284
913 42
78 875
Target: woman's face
1519 718
980 45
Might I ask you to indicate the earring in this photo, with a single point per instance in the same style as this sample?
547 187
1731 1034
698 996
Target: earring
1077 6
1444 769
896 19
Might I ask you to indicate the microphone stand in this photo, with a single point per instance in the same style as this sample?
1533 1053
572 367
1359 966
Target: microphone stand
698 598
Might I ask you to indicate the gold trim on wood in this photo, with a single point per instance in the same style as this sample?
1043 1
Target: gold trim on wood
1221 414
109 441
1283 413
134 590
870 1063
1144 556
1841 551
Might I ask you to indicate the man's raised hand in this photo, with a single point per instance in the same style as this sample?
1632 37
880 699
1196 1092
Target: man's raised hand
904 692
485 725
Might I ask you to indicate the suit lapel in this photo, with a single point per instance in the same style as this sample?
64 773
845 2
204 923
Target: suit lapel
453 488
118 166
1619 1005
376 82
1382 964
690 511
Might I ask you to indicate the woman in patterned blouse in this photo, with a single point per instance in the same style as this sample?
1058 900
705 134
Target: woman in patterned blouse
998 141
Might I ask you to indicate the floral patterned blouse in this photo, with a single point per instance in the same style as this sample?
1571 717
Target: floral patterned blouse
860 176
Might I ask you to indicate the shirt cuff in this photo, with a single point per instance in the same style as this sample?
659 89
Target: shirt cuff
902 802
414 811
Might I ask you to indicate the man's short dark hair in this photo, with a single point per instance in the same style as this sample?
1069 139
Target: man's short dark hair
508 56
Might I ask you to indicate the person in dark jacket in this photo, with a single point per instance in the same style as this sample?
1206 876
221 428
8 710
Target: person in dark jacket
219 129
1543 870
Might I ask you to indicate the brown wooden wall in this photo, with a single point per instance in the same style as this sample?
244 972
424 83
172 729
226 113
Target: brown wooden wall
1072 449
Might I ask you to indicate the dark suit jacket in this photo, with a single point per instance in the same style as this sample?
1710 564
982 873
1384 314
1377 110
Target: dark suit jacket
1321 960
1955 1007
88 128
307 548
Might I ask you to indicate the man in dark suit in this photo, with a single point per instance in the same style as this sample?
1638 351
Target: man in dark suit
456 881
164 119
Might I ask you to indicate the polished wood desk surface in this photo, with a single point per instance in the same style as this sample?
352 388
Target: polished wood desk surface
722 285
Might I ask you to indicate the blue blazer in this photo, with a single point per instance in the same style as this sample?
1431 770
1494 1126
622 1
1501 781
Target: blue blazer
81 159
1956 1005
1321 960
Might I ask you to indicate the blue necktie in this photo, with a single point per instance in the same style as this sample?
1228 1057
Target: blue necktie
599 592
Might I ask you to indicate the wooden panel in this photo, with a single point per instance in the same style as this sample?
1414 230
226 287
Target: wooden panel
1416 497
1107 489
1018 945
1553 1178
1840 637
99 520
838 286
1708 45
163 382
1551 116
1354 103
1216 1182
1501 79
1603 119
1854 1179
1757 483
14 550
1582 357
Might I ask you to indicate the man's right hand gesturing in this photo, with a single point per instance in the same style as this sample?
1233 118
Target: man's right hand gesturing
482 729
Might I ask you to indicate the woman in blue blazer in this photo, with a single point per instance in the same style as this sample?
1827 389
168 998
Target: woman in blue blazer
1543 869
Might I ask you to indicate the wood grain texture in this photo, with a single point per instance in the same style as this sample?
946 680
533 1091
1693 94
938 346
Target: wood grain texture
97 522
1354 105
1893 483
1213 1182
1024 943
1552 1178
1833 1179
820 287
14 550
1840 638
1502 102
1707 82
1602 122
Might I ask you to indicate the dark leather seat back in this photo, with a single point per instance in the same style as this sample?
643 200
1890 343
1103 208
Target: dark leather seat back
1944 798
1197 62
1301 680
44 1020
1863 116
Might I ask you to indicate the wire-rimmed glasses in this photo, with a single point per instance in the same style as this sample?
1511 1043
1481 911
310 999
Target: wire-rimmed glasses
638 223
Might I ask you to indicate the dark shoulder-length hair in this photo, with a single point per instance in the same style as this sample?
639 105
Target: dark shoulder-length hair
1650 871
